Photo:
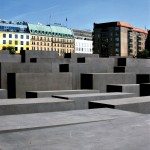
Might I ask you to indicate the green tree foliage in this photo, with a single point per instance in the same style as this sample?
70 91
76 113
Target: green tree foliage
143 54
4 48
10 48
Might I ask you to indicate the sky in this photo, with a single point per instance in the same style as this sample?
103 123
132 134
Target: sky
80 14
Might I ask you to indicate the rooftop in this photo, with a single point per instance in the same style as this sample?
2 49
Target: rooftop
51 30
119 23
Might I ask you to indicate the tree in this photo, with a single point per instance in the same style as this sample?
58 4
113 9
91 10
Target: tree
4 48
10 48
143 54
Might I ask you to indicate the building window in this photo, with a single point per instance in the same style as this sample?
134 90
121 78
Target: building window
117 39
117 28
10 35
16 36
27 36
16 48
27 48
21 36
21 42
117 33
4 41
4 35
117 44
27 42
10 41
16 42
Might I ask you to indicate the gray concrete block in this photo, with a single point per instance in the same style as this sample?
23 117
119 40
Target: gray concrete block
23 68
3 94
76 55
38 105
136 104
59 60
79 68
127 88
130 62
104 133
27 55
12 123
82 100
134 69
39 94
4 57
20 83
137 62
99 81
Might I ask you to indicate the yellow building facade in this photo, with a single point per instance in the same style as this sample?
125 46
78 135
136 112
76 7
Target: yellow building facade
16 36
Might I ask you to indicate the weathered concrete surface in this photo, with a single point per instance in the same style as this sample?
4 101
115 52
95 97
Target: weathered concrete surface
75 55
99 81
133 62
22 68
134 69
127 88
38 94
20 83
38 105
136 104
124 133
3 94
6 57
82 100
13 123
26 56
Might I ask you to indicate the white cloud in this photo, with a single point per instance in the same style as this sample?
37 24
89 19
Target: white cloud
29 14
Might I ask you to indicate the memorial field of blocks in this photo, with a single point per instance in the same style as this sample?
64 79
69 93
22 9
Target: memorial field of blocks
78 101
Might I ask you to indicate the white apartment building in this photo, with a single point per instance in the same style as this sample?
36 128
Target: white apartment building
83 41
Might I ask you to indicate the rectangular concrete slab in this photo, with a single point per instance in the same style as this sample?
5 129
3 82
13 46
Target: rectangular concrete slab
39 105
130 133
99 81
6 57
13 123
20 83
127 88
6 67
27 55
136 104
3 94
82 100
38 94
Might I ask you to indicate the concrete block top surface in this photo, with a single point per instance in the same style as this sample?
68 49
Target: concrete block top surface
2 89
124 84
30 101
124 101
77 132
145 83
92 94
54 119
64 91
109 73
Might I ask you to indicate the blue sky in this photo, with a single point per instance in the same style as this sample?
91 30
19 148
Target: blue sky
81 14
